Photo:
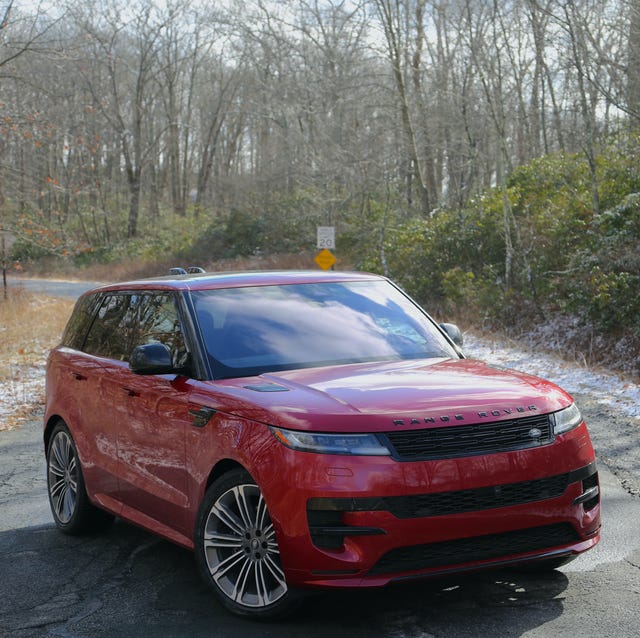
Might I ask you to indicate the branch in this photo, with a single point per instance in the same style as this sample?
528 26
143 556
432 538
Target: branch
5 17
34 35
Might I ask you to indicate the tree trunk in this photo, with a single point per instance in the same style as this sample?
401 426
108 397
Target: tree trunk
633 65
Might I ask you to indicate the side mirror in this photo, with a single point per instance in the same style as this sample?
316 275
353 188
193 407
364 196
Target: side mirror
151 358
453 332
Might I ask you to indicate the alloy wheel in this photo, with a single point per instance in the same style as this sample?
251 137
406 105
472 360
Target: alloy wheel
63 477
241 549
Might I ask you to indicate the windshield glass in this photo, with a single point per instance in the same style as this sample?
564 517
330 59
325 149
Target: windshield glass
252 330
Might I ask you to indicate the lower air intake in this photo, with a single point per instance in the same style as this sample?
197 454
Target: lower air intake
478 548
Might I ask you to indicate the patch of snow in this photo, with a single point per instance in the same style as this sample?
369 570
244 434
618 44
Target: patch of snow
20 395
574 377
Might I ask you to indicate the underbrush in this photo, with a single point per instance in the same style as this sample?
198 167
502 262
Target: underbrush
30 325
573 339
567 337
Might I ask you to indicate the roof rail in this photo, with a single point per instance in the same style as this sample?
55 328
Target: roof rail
191 270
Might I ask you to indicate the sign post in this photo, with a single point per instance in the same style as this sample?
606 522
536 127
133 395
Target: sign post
326 241
7 239
326 237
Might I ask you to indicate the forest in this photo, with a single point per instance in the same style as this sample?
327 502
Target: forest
482 153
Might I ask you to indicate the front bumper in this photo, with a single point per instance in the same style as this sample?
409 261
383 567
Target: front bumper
367 521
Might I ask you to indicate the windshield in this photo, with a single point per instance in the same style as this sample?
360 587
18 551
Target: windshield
252 330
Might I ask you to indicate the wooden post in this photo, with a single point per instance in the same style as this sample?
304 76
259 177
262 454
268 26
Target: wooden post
7 239
4 265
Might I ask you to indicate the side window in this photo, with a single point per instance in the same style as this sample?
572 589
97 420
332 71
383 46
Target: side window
160 323
126 320
80 321
113 333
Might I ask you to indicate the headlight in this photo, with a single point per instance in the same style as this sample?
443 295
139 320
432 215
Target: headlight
566 419
353 444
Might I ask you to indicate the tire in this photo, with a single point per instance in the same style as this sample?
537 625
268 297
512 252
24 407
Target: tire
237 550
72 511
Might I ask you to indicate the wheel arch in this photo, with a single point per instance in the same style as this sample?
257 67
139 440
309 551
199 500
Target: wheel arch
51 423
80 440
220 468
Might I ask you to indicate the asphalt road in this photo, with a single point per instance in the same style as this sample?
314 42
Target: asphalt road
55 288
128 583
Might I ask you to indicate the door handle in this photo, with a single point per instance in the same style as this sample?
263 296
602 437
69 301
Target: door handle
77 376
130 392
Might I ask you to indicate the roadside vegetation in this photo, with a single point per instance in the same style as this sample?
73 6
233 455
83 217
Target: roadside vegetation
535 260
538 260
30 325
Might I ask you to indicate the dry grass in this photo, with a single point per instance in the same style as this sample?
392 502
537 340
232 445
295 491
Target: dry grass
30 325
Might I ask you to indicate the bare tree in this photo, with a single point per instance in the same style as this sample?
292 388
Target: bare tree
393 17
20 34
633 61
127 46
113 109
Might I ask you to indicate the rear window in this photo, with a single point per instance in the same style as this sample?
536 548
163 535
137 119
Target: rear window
253 330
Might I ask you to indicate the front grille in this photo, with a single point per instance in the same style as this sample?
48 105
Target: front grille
469 440
444 503
455 502
478 548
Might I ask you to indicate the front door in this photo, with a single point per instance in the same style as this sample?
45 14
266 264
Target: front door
146 417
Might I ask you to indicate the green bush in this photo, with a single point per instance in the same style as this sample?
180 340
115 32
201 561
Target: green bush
568 256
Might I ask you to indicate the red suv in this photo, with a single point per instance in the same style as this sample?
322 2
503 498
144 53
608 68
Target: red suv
304 429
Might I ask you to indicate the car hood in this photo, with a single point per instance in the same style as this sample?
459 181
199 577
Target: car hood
391 395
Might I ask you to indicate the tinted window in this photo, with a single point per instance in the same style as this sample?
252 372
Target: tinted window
267 328
113 331
80 321
127 320
160 323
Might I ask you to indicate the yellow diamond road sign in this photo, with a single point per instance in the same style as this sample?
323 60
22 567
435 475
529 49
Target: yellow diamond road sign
325 259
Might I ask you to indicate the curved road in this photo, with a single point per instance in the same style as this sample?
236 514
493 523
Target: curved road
53 287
